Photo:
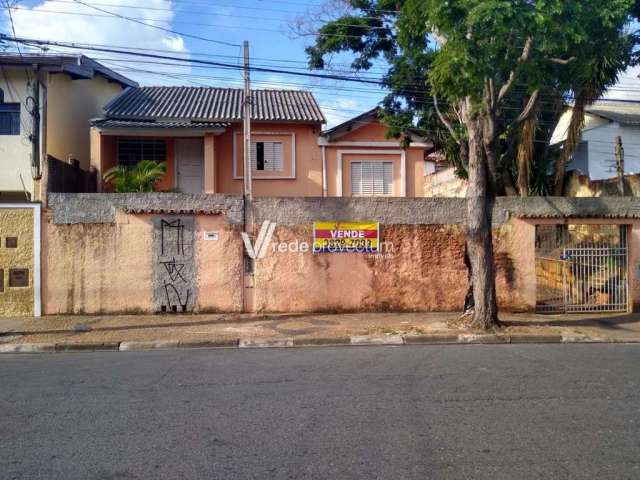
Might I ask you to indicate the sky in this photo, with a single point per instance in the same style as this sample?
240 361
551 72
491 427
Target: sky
265 24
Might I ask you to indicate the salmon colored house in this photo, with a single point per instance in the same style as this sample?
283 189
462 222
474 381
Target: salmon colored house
359 160
198 132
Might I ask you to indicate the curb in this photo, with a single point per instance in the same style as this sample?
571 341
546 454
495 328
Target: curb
219 343
482 339
377 340
87 347
278 342
289 342
581 338
139 346
523 338
321 341
28 348
430 339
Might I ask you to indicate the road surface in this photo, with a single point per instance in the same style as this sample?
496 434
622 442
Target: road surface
423 412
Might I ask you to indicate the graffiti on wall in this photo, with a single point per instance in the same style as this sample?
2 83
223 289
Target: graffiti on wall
174 285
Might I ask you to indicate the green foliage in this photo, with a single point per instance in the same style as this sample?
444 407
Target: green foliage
141 178
455 49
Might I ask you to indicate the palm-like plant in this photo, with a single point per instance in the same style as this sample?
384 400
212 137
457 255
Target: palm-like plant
141 178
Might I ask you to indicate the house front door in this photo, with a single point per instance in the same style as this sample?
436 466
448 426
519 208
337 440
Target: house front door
190 165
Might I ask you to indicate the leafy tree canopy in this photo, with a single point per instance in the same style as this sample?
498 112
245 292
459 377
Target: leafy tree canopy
557 50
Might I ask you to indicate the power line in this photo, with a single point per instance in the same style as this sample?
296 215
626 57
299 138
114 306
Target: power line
199 24
140 22
379 82
223 65
304 4
200 14
197 54
231 66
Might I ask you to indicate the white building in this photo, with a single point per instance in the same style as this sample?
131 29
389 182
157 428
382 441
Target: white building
46 103
604 121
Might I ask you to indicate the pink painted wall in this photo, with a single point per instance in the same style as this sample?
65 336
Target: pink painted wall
308 168
421 269
107 268
97 268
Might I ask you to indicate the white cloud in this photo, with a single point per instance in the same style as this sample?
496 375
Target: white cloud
277 82
94 27
627 88
338 110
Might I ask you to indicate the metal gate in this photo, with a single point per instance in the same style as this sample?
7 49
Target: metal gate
581 268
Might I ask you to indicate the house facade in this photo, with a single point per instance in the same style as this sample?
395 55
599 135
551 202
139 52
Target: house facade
198 132
359 160
604 121
46 102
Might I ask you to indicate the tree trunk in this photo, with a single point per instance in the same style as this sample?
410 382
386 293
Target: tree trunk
524 155
480 202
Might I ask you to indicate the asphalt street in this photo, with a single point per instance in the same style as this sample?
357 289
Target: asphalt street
423 412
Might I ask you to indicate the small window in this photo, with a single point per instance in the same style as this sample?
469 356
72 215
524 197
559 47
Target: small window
132 150
11 242
18 277
9 119
267 156
372 178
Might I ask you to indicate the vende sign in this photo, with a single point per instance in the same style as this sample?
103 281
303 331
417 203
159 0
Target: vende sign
339 237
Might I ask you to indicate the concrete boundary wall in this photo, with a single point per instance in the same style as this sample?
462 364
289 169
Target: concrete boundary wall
436 211
102 253
87 208
70 208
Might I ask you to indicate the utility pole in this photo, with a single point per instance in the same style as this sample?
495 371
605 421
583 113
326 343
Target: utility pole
246 114
36 172
248 278
619 149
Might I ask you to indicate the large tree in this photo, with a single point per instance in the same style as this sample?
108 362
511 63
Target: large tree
495 74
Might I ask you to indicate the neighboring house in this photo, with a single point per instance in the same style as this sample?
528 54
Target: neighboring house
604 121
359 160
46 102
198 132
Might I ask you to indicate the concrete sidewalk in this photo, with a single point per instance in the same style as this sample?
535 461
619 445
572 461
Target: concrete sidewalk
129 332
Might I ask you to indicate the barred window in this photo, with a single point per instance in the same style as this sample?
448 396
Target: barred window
132 150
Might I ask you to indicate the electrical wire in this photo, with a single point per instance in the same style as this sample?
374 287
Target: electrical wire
141 21
168 30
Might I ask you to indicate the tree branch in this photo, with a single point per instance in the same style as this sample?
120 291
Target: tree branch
562 61
526 52
528 109
492 94
446 122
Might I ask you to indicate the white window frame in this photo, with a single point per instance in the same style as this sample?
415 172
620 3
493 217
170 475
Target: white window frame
236 161
372 161
267 144
403 167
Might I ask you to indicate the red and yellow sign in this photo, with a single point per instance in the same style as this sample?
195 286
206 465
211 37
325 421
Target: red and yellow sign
338 237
